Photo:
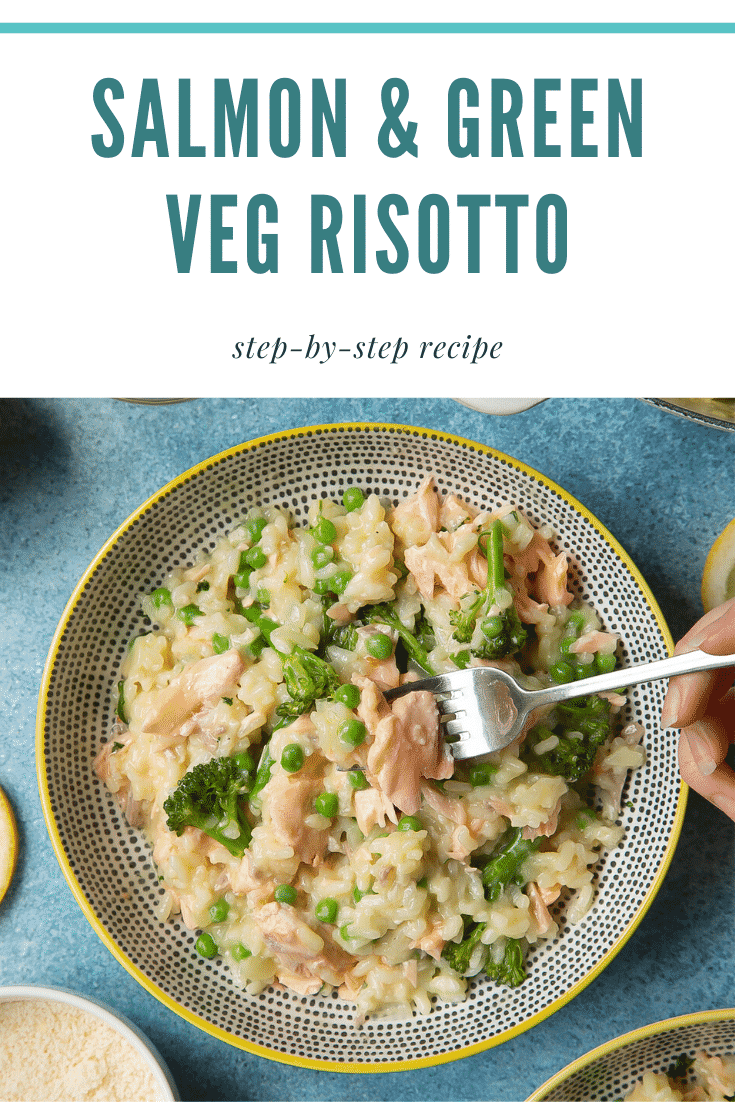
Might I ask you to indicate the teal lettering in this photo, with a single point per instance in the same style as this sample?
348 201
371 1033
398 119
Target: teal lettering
428 204
581 118
512 203
543 117
269 241
231 119
617 113
186 149
474 203
117 136
336 121
359 234
322 235
150 104
544 205
183 238
471 126
293 96
505 121
220 233
391 267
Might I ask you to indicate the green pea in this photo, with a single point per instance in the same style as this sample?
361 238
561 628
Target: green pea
561 672
285 893
492 627
220 643
343 931
353 733
242 578
582 670
244 761
206 946
292 757
326 910
324 531
327 804
379 645
254 527
189 613
321 555
349 695
263 598
409 822
256 557
338 582
161 598
353 498
219 910
322 586
239 952
604 663
481 775
358 780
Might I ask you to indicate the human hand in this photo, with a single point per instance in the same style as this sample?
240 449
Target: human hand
704 708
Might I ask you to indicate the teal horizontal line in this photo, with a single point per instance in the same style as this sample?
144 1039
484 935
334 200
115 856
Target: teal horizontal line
367 28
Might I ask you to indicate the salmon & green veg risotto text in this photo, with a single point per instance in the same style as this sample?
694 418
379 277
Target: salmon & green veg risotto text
321 838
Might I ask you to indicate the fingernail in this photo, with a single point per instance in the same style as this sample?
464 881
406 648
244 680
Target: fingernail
725 802
670 709
705 764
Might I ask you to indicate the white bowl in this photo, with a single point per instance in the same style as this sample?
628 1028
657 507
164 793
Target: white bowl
108 859
611 1070
125 1029
502 407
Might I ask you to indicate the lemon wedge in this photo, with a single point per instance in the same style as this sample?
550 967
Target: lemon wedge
718 578
8 843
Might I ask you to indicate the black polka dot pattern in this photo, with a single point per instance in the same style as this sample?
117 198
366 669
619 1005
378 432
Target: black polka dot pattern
108 864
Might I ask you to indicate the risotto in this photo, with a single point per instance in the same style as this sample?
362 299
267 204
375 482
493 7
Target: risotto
697 1078
314 834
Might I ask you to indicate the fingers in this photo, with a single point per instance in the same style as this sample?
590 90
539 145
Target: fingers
702 750
688 697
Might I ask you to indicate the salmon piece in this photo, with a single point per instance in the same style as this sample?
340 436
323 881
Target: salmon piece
373 808
203 682
593 642
453 512
432 563
431 941
303 957
529 611
539 908
288 799
407 747
551 582
414 520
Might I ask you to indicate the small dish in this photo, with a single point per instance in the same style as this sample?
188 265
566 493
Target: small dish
152 1066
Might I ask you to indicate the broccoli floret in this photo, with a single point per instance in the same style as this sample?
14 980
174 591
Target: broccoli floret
509 970
459 953
386 614
502 632
209 797
504 866
572 757
308 678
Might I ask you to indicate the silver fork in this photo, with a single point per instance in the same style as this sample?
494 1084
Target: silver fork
484 709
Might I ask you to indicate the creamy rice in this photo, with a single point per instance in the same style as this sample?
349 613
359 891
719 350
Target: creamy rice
367 864
699 1078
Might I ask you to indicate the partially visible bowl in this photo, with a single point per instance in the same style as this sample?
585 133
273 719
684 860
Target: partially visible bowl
716 413
152 1065
502 407
611 1070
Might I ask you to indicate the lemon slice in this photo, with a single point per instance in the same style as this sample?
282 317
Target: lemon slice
718 579
8 843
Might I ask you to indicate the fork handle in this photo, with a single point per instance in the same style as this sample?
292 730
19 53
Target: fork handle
691 662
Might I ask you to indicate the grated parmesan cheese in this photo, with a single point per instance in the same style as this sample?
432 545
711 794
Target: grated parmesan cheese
53 1052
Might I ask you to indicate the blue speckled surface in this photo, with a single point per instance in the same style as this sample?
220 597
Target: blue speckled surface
72 469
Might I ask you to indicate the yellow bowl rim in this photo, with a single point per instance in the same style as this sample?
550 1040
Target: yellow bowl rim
641 1034
109 942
